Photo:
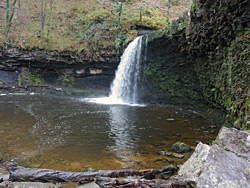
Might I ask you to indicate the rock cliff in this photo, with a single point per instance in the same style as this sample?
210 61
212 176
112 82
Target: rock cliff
205 58
23 67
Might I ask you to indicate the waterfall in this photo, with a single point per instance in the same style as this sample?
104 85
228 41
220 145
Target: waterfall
124 88
125 84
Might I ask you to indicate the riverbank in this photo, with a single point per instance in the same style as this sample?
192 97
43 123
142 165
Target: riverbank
208 166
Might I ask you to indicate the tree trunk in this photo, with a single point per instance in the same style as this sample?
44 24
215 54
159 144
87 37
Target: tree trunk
50 17
18 173
134 183
19 8
169 6
141 15
43 16
9 16
120 13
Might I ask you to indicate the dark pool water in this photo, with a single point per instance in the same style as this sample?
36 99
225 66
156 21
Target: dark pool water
69 134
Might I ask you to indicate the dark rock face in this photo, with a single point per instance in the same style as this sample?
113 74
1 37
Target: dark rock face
207 62
169 75
95 72
222 165
218 41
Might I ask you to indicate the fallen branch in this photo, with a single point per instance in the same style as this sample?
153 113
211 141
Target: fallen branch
133 183
18 173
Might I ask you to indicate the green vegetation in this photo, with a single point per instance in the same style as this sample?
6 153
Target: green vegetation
69 81
221 50
88 26
180 147
215 142
36 79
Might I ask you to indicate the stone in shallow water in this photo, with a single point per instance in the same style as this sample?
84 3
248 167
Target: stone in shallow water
103 181
178 156
4 177
180 147
28 185
88 185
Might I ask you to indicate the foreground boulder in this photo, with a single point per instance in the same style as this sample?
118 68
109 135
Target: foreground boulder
225 164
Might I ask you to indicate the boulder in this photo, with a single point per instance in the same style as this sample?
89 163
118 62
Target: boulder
234 140
225 164
180 147
191 170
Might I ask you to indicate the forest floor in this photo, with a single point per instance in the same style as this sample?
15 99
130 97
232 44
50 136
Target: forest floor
85 26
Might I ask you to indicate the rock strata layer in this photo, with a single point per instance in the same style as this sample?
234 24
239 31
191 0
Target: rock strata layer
18 65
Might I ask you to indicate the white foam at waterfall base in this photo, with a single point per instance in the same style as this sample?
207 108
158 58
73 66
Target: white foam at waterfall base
124 88
111 101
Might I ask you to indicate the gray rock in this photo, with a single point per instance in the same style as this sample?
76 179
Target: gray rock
4 177
166 175
163 153
178 156
234 140
102 181
224 169
88 185
220 166
191 169
3 185
31 185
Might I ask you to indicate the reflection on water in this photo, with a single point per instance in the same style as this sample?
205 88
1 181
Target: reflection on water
123 131
69 134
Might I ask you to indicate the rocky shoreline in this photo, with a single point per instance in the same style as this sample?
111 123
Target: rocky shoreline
225 163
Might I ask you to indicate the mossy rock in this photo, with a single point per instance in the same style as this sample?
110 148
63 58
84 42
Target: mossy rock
180 147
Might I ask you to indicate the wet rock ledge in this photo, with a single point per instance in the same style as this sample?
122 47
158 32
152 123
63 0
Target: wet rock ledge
26 67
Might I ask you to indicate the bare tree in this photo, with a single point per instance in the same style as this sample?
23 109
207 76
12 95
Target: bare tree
10 10
19 8
169 6
50 16
43 15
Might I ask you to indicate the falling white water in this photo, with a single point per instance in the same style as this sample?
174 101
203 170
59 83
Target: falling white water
125 85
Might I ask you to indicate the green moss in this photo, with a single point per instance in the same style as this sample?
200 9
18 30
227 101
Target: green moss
215 142
69 81
36 79
222 65
21 81
243 156
180 147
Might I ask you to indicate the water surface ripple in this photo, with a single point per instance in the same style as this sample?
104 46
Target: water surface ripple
71 134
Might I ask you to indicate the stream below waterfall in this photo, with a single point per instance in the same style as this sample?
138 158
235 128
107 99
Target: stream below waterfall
70 134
